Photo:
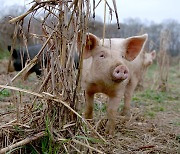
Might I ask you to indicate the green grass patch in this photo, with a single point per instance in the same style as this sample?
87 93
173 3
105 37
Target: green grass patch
100 107
4 54
177 123
150 114
92 140
47 143
151 70
19 130
178 138
37 106
5 93
154 95
158 108
136 98
29 148
21 85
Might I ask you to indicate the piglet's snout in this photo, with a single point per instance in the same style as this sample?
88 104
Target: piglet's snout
120 73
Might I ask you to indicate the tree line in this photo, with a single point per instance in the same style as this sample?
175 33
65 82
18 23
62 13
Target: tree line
128 27
132 27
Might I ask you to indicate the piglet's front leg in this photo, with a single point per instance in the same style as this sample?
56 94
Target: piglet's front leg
128 97
112 108
89 105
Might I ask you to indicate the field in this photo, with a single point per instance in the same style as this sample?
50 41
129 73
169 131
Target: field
154 126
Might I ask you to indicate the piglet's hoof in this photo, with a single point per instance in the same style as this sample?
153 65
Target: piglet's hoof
110 128
88 116
125 112
109 132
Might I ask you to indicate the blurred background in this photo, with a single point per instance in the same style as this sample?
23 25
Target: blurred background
154 17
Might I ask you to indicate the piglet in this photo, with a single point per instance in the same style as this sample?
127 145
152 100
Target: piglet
106 70
147 60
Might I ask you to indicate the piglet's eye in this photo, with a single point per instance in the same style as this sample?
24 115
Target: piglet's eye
102 56
122 56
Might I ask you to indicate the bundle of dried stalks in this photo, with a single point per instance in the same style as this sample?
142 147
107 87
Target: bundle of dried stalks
163 61
57 101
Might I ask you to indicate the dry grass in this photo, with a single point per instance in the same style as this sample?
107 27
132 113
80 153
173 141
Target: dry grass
152 128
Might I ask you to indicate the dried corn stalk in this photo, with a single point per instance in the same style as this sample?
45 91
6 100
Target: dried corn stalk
59 93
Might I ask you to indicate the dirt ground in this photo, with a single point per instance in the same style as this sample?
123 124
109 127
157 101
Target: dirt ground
154 126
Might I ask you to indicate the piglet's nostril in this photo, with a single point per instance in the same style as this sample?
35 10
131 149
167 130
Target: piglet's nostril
125 71
119 73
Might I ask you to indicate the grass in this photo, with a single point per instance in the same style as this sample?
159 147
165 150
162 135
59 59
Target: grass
47 143
150 102
91 139
4 54
4 93
158 109
30 149
178 138
176 123
150 73
38 106
154 101
153 95
100 107
150 114
19 130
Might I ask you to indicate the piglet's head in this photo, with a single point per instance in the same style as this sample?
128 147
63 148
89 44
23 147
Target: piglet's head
149 58
107 64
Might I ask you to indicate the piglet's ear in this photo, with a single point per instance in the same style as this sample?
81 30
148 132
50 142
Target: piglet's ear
90 44
14 53
134 45
9 48
153 54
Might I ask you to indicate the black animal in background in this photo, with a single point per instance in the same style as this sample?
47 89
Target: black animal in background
20 57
